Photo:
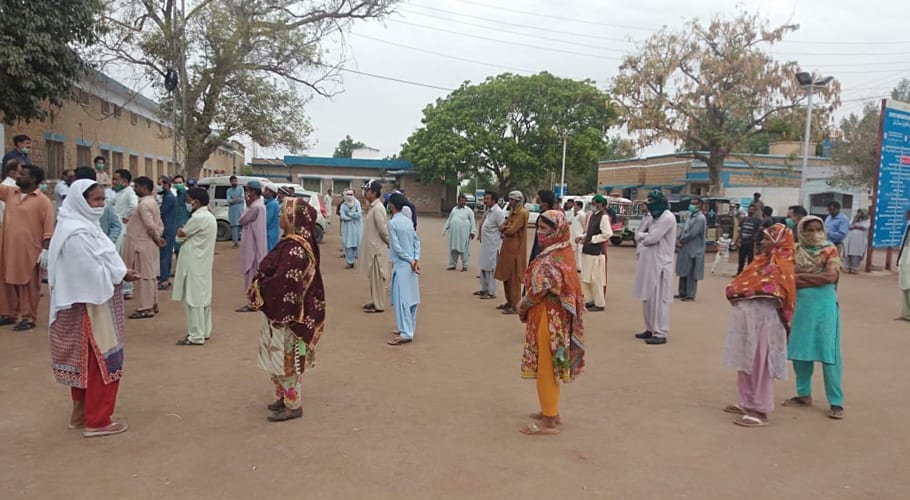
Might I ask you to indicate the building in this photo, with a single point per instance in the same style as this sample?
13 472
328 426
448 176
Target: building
107 119
776 176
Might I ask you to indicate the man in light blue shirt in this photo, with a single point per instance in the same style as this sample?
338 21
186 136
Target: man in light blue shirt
236 204
837 225
404 252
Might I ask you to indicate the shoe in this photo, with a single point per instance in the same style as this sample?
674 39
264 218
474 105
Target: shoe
677 296
277 405
502 306
187 341
509 310
688 299
114 428
285 414
589 304
656 341
450 268
24 325
480 292
645 335
6 320
594 308
368 307
349 266
487 296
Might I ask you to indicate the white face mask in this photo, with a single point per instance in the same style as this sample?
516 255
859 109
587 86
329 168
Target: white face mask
189 207
96 212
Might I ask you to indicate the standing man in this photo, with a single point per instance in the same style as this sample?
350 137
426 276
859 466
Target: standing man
169 219
748 228
404 253
272 209
183 208
903 271
12 175
327 203
546 200
375 246
758 204
22 144
577 229
462 228
795 214
193 279
653 278
255 245
102 177
27 230
513 255
690 264
837 225
351 215
490 243
235 196
142 248
125 203
63 186
593 261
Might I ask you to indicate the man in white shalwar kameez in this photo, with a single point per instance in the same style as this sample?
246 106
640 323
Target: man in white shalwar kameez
374 248
490 242
193 278
656 242
593 261
903 272
461 228
125 203
577 228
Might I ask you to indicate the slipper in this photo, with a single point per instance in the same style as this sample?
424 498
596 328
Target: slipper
24 325
539 416
487 297
837 413
479 292
114 428
369 306
502 306
187 341
142 315
750 421
798 402
373 311
533 429
245 309
736 409
399 341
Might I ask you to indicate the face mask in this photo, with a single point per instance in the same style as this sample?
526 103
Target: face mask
693 208
189 207
160 189
42 187
117 187
25 150
99 166
96 212
179 187
790 223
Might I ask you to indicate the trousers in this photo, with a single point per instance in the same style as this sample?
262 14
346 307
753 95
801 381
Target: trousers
198 323
487 282
21 301
377 285
746 254
657 317
512 287
99 398
832 376
756 389
547 385
688 286
454 255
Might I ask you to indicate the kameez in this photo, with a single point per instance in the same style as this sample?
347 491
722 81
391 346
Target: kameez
141 252
236 204
490 244
690 263
552 308
254 244
654 275
272 229
855 245
404 248
594 258
29 222
461 228
288 290
513 254
169 219
193 279
374 258
351 215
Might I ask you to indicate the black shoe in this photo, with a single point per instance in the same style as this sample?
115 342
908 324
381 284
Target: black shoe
589 304
502 306
644 335
277 405
688 299
24 325
594 308
285 414
677 296
6 321
656 341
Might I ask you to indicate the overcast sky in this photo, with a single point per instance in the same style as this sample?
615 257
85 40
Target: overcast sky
865 45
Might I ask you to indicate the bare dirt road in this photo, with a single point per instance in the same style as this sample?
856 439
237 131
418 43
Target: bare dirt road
438 419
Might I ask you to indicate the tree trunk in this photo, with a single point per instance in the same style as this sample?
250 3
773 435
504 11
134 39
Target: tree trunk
715 167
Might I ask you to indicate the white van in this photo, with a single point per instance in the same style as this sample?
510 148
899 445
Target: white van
217 188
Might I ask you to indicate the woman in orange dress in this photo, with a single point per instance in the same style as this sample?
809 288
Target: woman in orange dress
551 308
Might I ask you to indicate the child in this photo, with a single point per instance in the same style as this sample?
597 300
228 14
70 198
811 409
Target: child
723 251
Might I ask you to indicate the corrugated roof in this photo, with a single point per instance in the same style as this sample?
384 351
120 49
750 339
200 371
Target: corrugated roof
318 161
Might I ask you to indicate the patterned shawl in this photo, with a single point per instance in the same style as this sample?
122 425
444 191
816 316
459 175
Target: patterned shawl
288 288
552 275
771 276
814 255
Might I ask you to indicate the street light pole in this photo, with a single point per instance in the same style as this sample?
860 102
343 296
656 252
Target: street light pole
562 179
804 172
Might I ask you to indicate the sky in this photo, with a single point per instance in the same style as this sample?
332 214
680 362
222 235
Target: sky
441 43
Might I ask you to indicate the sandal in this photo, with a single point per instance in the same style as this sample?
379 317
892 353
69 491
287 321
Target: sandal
539 416
399 341
24 326
750 421
736 409
837 412
187 341
798 402
114 428
369 307
164 286
533 429
285 414
245 309
142 315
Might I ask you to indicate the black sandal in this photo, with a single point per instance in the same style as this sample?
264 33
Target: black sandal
187 341
24 325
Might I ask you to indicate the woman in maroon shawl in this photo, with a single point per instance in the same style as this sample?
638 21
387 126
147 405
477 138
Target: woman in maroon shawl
288 290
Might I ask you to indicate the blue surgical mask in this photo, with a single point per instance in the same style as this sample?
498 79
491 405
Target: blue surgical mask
42 186
160 189
25 150
189 207
99 166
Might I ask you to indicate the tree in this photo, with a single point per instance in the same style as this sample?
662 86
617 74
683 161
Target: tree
241 66
346 147
709 86
39 54
512 127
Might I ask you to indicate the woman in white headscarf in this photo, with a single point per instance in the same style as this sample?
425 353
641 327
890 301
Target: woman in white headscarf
351 215
85 274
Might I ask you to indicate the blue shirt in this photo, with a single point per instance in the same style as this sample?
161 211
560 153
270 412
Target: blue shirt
235 208
837 228
169 214
404 245
272 226
14 154
110 223
183 214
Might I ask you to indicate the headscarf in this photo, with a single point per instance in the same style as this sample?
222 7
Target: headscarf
815 253
288 287
659 205
554 272
770 276
348 195
516 195
83 264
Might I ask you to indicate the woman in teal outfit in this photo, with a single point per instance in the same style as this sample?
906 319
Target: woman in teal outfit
816 322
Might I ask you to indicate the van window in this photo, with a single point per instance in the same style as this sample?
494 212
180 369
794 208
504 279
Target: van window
221 192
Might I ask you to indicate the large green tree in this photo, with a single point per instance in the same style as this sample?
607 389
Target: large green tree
710 87
513 127
243 67
39 53
346 147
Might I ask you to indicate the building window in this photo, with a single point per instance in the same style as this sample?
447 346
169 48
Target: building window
134 118
148 123
148 168
134 164
338 186
54 153
312 185
107 156
85 98
83 156
170 168
118 112
116 161
160 170
105 108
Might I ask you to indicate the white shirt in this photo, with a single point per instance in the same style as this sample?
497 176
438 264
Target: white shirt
60 191
125 203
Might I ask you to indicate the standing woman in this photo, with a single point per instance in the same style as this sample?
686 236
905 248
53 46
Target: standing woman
763 297
288 290
85 274
816 321
857 239
551 308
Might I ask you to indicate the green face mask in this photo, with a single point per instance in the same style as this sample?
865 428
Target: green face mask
790 223
693 208
99 166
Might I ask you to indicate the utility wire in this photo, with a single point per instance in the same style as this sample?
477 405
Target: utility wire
440 54
392 79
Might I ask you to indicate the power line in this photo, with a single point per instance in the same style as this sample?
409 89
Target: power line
392 79
549 16
440 54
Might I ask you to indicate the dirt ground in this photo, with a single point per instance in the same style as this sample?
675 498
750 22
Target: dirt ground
439 418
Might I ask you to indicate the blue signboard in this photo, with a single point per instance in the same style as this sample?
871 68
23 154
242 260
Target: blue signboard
892 198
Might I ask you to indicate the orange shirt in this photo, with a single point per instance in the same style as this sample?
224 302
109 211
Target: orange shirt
29 221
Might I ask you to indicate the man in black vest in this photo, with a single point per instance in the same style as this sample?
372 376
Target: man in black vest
593 261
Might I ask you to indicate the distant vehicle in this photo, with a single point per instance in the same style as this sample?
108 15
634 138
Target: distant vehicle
217 187
472 202
533 213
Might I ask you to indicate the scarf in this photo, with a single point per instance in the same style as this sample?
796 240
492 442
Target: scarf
659 205
815 253
771 276
348 196
288 286
83 263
